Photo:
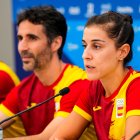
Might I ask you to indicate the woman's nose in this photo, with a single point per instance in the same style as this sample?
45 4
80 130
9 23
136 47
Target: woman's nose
86 53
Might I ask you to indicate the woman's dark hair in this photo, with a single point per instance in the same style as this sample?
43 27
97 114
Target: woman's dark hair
54 22
118 27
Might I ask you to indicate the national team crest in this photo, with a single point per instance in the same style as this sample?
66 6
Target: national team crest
119 108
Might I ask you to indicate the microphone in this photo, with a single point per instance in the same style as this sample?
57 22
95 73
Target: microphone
135 135
61 92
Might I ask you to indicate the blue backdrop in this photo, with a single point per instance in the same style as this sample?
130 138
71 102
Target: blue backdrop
76 13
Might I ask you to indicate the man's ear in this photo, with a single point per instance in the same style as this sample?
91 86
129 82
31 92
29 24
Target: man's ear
123 51
56 44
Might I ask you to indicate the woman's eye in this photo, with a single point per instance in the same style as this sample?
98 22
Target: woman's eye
97 47
84 46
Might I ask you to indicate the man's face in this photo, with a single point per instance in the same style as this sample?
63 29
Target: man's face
33 46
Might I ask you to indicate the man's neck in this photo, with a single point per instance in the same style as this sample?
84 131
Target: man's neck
51 73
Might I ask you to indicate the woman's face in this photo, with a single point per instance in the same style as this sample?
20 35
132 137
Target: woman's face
100 54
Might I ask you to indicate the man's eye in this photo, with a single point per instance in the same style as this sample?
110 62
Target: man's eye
19 38
33 37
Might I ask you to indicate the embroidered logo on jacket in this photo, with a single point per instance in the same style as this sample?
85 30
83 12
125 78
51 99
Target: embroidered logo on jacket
119 108
97 108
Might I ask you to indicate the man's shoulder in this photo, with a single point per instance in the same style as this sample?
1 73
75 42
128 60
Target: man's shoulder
28 80
72 75
75 71
7 70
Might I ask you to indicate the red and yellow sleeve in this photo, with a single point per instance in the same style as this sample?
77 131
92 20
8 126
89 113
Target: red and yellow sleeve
82 106
8 80
69 100
10 104
73 77
5 68
133 96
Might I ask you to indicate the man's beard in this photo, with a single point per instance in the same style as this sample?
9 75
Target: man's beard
36 62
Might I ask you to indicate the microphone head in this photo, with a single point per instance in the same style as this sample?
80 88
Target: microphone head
64 91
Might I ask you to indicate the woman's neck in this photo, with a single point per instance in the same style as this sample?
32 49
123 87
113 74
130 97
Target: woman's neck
113 81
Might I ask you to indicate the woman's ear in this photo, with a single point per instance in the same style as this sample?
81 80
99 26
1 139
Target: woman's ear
123 51
56 44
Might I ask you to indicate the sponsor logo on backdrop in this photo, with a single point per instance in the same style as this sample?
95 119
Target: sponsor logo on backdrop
61 10
74 10
125 9
106 7
90 10
72 46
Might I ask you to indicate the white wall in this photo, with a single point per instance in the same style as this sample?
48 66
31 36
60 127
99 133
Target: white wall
6 33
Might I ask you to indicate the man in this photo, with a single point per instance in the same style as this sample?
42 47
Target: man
8 80
41 35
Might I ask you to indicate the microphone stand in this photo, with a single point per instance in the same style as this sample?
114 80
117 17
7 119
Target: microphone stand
61 92
28 109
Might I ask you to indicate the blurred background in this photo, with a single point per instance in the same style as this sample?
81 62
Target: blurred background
76 12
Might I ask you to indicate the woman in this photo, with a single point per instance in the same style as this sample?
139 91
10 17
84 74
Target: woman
115 106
